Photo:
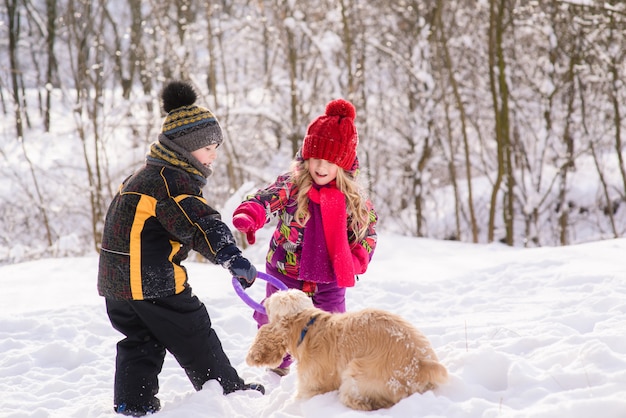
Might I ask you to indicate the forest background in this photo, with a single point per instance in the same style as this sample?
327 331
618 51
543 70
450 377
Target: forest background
475 117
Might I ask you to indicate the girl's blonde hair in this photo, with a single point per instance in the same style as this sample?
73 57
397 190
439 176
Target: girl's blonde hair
346 183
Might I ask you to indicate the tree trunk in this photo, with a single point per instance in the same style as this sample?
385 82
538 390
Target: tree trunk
14 29
616 82
609 211
51 66
568 140
499 92
461 107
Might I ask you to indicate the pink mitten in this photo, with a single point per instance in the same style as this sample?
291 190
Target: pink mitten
245 224
248 218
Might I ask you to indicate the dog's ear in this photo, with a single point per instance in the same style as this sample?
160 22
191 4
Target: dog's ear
269 346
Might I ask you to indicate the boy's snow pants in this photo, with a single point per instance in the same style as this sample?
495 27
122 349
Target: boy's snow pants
179 324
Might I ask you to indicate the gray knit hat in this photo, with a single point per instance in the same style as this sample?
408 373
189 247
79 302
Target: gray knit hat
190 126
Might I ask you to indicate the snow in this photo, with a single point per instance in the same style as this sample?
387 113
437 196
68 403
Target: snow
523 332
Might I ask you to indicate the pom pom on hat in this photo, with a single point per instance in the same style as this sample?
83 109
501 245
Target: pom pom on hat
333 136
341 108
189 126
178 94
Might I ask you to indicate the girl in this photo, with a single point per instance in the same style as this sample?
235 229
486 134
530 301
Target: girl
326 228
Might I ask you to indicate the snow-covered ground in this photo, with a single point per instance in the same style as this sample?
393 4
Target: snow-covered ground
523 332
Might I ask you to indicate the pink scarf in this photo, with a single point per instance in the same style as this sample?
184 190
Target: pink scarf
335 226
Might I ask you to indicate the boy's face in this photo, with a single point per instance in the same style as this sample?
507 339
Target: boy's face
206 155
322 171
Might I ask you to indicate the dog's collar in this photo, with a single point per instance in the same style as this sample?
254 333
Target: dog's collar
306 328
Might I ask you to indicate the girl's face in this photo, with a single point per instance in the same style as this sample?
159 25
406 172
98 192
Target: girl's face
322 171
206 155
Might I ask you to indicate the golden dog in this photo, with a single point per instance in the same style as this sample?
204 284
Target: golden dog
374 358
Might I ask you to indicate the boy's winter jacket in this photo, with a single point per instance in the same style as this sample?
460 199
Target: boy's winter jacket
156 218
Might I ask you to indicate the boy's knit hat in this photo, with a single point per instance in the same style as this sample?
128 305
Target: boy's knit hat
190 126
333 136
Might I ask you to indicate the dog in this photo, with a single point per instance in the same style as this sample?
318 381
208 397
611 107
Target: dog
372 357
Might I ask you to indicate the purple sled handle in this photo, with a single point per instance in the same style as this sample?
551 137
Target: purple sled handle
251 302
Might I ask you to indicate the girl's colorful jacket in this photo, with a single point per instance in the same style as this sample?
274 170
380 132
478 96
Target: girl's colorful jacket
156 218
279 200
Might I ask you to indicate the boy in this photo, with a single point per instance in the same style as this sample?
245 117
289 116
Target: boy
156 218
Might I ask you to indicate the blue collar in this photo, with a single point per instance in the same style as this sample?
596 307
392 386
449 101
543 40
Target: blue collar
306 328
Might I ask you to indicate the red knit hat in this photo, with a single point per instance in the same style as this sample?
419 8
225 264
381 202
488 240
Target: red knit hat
333 136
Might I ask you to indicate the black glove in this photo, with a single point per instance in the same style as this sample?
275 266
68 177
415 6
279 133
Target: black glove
230 258
242 269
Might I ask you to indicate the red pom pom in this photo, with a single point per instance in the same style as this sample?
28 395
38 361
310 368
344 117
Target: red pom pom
341 108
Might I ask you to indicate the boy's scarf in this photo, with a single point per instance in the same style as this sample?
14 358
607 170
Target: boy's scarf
331 204
161 155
